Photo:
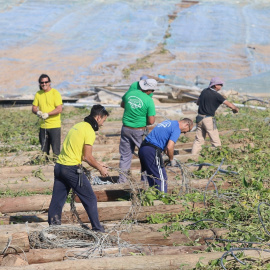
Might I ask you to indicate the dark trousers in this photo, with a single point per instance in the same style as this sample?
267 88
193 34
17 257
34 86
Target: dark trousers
151 163
65 178
51 136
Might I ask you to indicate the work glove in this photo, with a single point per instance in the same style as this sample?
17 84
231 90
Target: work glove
39 113
172 163
44 116
235 110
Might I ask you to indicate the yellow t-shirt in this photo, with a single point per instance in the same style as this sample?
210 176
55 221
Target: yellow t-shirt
47 102
72 150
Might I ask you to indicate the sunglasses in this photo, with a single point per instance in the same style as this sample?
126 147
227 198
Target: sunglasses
189 127
103 109
44 82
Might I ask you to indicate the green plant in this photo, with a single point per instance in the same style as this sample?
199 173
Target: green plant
39 174
148 197
183 139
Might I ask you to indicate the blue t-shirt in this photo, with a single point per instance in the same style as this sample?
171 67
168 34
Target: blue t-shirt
163 132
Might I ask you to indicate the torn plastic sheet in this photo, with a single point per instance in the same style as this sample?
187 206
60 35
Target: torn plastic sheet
79 42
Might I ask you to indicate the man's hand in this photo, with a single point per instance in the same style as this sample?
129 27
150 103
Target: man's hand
39 113
235 110
103 171
44 116
172 163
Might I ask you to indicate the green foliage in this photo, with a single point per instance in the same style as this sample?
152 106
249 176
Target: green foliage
39 174
80 113
236 209
183 139
10 193
109 119
18 131
148 197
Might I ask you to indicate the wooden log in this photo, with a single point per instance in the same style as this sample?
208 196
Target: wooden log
12 260
136 162
176 238
104 193
37 256
183 262
42 202
14 243
32 185
22 178
28 227
116 211
155 262
25 203
107 211
170 250
25 170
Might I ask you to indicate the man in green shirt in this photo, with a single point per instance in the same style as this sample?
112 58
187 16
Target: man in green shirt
139 112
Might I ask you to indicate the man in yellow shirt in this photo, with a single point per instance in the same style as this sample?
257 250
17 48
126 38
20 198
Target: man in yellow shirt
48 106
77 147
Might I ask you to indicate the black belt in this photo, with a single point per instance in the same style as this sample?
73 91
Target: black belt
200 117
158 151
146 143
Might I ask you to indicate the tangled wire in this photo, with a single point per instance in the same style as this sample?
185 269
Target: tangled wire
95 243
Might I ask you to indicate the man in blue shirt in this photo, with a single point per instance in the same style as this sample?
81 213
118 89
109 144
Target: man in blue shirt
162 138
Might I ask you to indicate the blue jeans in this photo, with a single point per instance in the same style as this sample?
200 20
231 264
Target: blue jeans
65 178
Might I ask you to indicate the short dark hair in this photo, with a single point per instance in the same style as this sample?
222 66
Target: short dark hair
42 76
188 121
99 110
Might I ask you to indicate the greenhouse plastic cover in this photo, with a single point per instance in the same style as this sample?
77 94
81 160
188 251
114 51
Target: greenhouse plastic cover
82 43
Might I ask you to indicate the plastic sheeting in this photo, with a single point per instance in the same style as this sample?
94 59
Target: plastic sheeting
73 41
255 84
81 42
222 38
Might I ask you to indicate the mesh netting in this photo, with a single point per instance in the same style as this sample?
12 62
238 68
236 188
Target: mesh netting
95 243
